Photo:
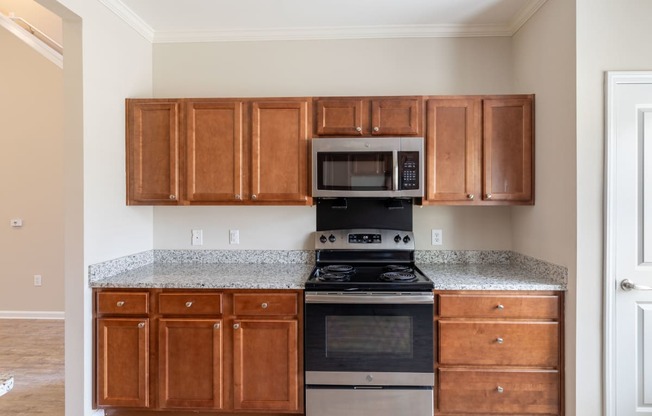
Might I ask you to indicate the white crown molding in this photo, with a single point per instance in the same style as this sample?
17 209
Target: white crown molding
131 18
343 32
525 15
31 315
32 41
321 33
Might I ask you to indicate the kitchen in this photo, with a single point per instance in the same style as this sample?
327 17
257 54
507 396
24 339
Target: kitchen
494 228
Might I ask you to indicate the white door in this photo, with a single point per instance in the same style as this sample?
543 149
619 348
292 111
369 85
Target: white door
628 250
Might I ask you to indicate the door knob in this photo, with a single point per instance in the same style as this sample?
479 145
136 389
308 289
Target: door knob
627 285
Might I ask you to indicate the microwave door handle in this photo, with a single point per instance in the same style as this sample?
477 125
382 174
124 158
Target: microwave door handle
395 176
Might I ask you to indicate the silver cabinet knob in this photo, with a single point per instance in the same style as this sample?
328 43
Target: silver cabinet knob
173 197
264 305
499 389
238 196
487 196
358 129
376 129
500 307
188 304
499 340
120 303
470 196
141 325
236 326
254 196
216 326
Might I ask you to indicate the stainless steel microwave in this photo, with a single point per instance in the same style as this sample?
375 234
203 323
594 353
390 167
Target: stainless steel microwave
367 167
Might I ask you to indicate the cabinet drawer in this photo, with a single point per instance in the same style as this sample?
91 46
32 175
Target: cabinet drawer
190 303
499 306
123 303
533 344
490 392
265 304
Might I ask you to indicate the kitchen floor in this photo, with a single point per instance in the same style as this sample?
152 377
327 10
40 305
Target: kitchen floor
32 350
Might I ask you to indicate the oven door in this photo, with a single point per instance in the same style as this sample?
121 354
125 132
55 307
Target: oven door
369 339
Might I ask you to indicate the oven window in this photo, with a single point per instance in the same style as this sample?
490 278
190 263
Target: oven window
364 171
386 335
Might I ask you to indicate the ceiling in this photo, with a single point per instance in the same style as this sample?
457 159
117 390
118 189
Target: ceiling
236 20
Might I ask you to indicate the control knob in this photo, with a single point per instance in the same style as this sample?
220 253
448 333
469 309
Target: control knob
323 239
331 238
397 239
406 239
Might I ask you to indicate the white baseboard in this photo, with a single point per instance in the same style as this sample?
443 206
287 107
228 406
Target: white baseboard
31 315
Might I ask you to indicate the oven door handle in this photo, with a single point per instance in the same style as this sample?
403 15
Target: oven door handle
345 298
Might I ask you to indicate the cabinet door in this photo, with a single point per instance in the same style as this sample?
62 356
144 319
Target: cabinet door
279 151
396 116
153 152
266 365
122 362
343 117
508 149
214 151
190 363
453 150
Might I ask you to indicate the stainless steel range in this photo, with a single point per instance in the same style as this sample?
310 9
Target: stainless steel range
368 326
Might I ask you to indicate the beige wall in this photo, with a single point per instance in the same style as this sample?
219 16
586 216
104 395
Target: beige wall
336 67
31 165
544 63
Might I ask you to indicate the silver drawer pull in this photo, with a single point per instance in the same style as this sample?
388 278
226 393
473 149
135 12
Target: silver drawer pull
264 305
236 326
141 325
188 304
499 389
500 307
216 326
500 340
120 303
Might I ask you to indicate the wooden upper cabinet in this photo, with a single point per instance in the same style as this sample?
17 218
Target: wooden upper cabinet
508 147
214 151
453 150
366 116
340 117
279 151
480 150
153 151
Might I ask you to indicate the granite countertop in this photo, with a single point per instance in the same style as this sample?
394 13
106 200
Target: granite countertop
6 383
210 276
215 269
488 277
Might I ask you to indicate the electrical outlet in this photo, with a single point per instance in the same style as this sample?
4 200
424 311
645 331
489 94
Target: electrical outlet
38 280
234 236
197 237
437 238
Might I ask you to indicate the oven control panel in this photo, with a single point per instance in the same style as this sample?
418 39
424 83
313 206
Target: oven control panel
364 239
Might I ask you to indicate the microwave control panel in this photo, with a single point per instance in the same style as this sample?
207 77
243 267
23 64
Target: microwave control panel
408 170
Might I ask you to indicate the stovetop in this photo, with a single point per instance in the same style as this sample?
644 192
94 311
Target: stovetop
368 277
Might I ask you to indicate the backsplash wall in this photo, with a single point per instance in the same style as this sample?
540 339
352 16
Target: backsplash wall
291 228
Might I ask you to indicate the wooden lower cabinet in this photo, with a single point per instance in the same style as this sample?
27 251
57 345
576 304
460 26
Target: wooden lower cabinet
499 391
209 351
266 364
499 353
190 363
122 352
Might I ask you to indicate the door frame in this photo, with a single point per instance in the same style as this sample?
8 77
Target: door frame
612 80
